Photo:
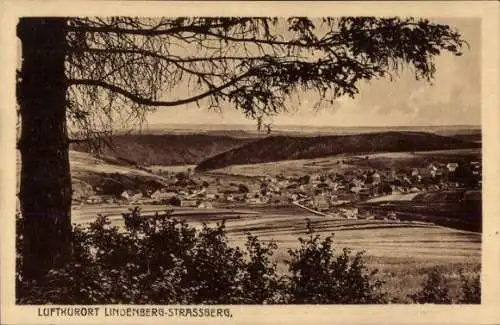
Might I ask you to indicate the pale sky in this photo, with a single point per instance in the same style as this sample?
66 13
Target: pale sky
453 98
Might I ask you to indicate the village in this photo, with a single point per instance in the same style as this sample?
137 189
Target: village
335 193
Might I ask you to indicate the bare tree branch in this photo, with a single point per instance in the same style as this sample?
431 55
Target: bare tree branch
150 102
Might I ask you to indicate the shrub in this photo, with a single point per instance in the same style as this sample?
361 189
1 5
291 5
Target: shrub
435 289
174 201
317 276
470 289
261 283
242 188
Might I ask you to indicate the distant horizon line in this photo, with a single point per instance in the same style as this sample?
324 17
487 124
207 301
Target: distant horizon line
315 126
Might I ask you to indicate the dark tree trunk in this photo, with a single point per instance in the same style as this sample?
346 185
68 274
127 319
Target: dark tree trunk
45 189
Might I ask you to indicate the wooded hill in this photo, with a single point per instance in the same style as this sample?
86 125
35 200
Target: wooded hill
276 148
164 149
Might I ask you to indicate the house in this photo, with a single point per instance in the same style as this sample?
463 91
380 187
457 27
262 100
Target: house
126 194
274 188
189 203
264 199
335 186
349 213
397 189
211 196
339 202
283 183
257 200
357 182
334 215
451 167
433 188
376 178
160 195
321 203
110 199
391 216
94 199
355 189
315 178
364 193
205 205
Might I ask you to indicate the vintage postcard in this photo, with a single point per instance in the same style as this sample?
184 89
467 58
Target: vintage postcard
250 162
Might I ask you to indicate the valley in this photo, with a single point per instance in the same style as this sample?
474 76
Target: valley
407 210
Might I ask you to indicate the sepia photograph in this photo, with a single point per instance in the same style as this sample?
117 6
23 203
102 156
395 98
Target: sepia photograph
208 161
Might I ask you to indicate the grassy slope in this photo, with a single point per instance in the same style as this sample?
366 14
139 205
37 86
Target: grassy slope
88 172
279 148
165 149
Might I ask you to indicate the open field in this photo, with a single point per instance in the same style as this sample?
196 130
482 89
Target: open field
419 159
290 167
403 252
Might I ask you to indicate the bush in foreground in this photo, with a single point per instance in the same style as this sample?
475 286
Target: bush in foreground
160 260
317 276
470 289
435 289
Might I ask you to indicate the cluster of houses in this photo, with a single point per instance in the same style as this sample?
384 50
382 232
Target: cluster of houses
329 192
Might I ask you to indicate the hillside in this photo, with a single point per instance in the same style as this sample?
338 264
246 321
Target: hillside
165 149
276 148
89 173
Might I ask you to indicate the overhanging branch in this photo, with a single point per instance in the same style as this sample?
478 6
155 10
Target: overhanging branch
151 102
169 58
155 30
196 30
